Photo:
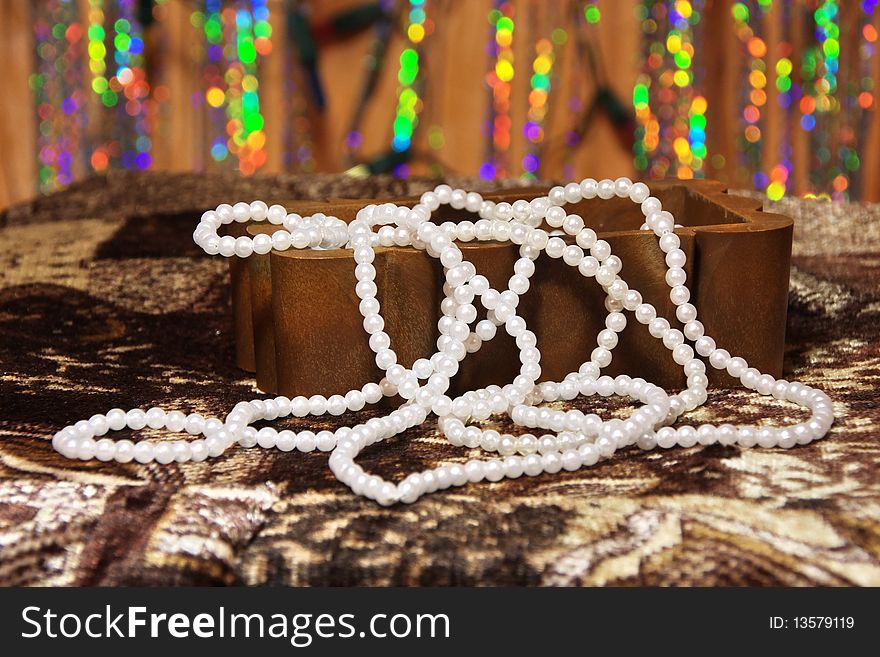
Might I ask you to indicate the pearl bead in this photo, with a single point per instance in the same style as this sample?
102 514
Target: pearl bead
693 330
679 295
98 425
551 462
604 276
195 424
175 421
780 388
622 187
181 451
124 451
605 189
586 238
719 359
573 225
317 404
472 203
143 452
675 276
750 378
474 471
704 345
555 247
306 441
682 353
163 453
764 384
747 436
325 441
766 437
116 419
638 192
706 435
571 255
105 450
600 250
83 429
199 450
687 436
571 460
248 438
136 419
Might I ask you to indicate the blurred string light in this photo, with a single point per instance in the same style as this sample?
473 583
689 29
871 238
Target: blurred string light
98 51
867 51
57 88
862 90
100 157
670 133
499 79
539 84
828 147
689 125
819 68
211 22
247 139
576 93
809 65
786 91
406 117
646 140
116 64
237 36
134 93
745 14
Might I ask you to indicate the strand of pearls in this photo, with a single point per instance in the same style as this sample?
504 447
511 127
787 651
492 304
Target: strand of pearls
566 439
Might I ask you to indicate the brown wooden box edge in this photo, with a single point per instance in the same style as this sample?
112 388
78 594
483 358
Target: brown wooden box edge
297 324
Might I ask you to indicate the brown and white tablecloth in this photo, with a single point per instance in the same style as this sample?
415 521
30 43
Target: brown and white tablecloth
105 301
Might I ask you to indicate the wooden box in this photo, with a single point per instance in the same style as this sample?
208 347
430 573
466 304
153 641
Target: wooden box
297 324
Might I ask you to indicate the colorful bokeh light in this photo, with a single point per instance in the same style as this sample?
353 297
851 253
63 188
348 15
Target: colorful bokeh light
406 118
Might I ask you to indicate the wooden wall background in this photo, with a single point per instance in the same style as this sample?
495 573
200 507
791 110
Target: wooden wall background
456 97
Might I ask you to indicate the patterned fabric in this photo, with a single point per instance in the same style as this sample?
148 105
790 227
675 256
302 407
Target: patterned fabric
105 301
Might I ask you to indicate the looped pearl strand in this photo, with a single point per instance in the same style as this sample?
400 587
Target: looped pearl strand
573 439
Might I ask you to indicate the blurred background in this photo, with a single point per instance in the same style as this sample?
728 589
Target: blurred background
772 95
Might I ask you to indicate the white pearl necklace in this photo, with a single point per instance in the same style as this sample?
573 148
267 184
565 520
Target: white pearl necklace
572 439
